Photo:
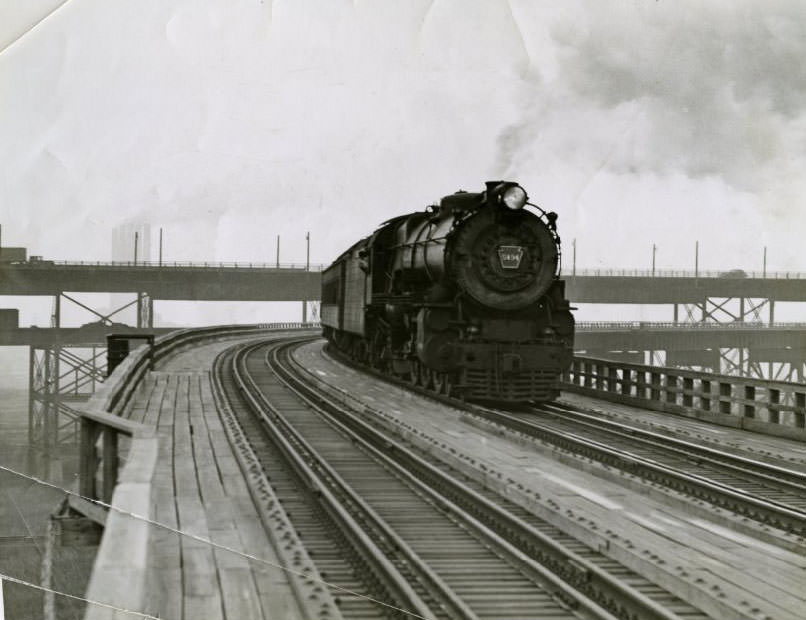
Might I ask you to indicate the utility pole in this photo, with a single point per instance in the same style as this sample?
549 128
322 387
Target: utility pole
307 268
136 235
160 246
654 250
574 260
278 251
696 259
764 268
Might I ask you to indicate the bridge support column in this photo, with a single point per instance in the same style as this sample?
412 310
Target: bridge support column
145 310
59 376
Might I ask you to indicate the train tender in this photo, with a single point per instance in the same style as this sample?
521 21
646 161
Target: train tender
464 298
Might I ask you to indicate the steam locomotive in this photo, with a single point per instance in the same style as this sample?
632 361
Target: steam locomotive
463 298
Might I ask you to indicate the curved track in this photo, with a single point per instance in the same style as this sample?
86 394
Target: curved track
768 494
776 484
396 525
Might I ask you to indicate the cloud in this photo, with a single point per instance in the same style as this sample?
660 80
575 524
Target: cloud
228 124
707 89
633 111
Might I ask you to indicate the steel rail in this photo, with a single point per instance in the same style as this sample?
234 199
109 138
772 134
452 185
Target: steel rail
293 446
742 502
535 552
587 609
789 478
767 512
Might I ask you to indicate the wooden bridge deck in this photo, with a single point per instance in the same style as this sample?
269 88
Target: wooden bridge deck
200 490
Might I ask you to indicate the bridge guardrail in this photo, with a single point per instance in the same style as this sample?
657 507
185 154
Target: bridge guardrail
699 325
120 572
771 407
687 273
172 264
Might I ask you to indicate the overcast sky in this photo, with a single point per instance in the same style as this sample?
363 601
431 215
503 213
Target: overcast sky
228 123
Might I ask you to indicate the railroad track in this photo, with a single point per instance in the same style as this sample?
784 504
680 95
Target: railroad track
392 524
776 483
771 495
768 494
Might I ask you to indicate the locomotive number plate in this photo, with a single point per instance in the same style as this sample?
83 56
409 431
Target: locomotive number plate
510 256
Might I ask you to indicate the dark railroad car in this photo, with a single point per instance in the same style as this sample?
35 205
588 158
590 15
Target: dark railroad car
463 298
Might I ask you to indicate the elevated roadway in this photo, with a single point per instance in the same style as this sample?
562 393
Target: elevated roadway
174 281
599 335
680 287
72 336
266 282
641 336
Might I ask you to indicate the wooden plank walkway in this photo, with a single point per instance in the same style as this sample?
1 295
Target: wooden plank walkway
199 489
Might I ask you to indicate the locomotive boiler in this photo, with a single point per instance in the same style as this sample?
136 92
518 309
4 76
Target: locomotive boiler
464 298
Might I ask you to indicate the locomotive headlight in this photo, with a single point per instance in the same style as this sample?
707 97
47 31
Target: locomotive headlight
514 197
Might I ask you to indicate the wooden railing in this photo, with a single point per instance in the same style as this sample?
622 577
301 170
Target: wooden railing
120 572
771 407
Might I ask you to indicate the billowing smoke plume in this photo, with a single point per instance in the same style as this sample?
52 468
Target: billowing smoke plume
647 109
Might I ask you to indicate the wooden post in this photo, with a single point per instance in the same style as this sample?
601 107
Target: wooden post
88 459
671 389
110 462
688 387
750 394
